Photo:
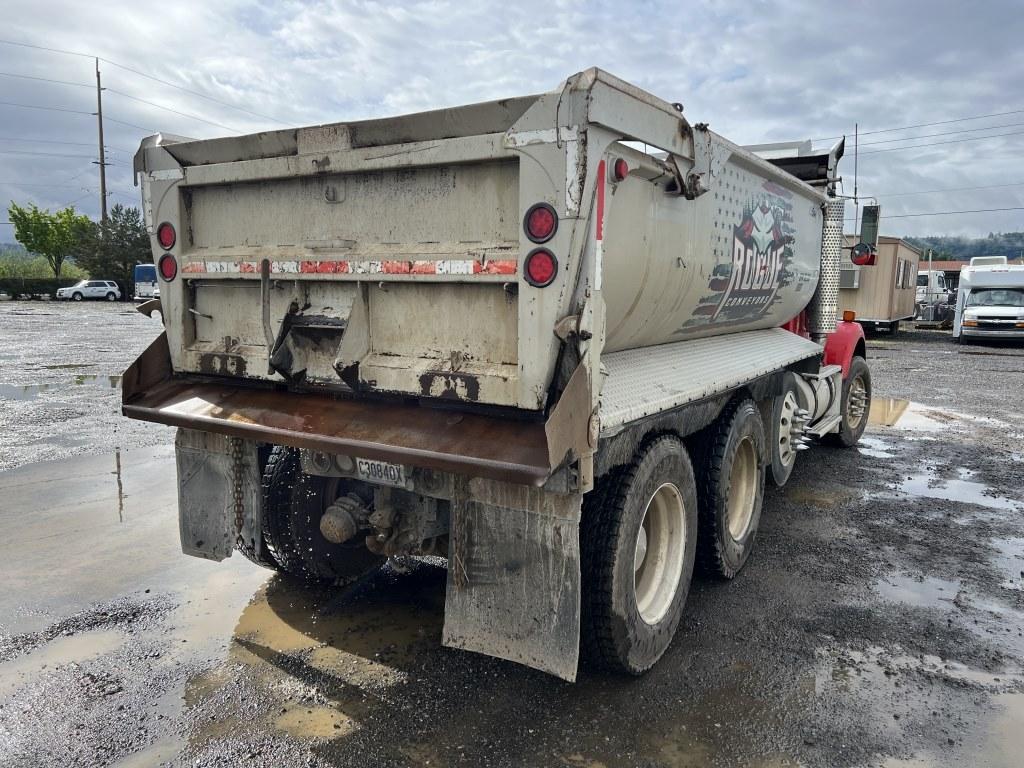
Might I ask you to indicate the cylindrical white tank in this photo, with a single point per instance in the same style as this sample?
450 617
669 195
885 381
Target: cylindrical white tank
743 256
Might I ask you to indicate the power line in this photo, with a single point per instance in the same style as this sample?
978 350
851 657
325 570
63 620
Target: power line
939 143
947 213
69 143
51 109
47 141
67 205
161 106
44 79
923 125
122 122
146 75
942 133
44 48
42 154
20 184
952 189
194 93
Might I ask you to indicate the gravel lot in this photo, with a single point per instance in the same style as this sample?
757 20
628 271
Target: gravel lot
880 621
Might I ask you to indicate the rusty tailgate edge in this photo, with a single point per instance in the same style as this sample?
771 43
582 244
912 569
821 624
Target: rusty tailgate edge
470 444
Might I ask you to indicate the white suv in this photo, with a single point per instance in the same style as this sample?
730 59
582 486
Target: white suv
91 289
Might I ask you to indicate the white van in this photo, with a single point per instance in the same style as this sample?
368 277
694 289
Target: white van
990 301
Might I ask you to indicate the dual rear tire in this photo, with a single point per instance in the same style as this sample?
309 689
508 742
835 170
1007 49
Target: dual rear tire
731 489
646 525
638 541
293 503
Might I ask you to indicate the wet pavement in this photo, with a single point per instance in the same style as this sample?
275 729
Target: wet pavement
880 621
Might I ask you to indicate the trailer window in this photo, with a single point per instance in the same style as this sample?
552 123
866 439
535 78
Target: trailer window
996 297
904 271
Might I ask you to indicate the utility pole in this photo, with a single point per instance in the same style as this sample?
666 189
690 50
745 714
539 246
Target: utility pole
856 201
103 157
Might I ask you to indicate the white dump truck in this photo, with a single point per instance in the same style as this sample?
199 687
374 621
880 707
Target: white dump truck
558 339
989 300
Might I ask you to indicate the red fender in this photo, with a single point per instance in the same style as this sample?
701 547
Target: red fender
843 344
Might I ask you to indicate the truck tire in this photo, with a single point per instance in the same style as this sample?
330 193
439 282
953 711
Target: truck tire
784 452
76 296
277 480
731 489
321 559
293 503
855 406
638 542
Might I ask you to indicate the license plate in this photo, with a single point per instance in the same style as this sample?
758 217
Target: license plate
381 472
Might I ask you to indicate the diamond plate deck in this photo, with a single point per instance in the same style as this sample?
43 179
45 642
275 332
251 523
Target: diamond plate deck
649 380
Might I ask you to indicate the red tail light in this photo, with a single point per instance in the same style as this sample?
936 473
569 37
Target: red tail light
168 267
541 223
166 236
540 268
620 170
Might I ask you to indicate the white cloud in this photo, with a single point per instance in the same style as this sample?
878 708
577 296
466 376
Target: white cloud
757 71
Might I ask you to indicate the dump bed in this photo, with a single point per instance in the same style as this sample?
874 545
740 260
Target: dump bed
477 256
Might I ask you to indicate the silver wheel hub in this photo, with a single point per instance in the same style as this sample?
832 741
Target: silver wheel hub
742 489
791 426
658 554
857 402
641 549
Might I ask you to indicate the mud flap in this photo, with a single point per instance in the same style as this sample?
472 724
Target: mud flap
206 500
514 576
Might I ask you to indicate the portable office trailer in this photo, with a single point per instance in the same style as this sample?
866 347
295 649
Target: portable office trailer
884 294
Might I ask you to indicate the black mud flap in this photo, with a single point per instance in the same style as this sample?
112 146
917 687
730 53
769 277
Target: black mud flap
208 476
514 576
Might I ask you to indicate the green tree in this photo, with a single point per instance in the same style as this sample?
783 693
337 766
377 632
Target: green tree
112 248
53 236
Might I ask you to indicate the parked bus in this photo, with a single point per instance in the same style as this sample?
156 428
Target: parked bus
145 282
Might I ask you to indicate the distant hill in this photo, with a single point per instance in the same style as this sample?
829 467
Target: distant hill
14 252
1009 244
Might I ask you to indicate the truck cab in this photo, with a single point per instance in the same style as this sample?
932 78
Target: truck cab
931 286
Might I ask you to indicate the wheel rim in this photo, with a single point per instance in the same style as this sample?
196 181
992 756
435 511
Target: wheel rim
787 453
658 557
742 489
856 402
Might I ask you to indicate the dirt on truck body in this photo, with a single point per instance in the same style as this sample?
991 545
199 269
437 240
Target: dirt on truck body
505 335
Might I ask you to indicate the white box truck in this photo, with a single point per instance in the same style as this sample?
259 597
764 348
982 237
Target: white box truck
558 339
989 300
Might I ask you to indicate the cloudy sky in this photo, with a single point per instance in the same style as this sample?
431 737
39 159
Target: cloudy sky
756 71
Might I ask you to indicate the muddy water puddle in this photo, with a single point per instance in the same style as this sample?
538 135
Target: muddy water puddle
957 489
70 649
32 391
875 667
921 591
325 663
908 415
1010 560
875 447
156 754
822 498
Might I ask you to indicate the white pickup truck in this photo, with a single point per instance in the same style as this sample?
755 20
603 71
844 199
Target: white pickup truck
559 339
